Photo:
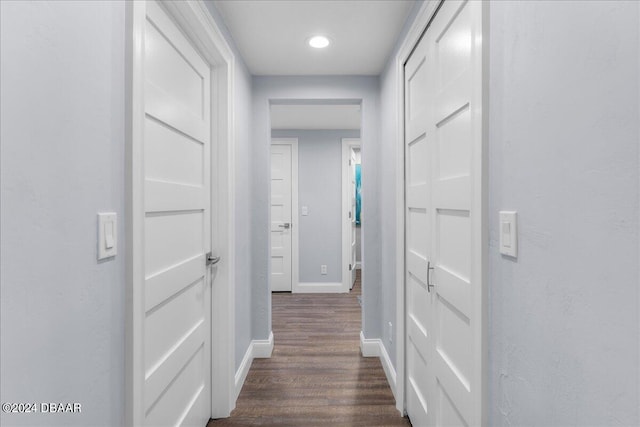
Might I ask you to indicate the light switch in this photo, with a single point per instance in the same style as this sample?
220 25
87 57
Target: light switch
506 234
305 210
509 233
107 235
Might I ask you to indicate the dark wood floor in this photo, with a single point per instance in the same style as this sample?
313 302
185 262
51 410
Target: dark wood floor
316 375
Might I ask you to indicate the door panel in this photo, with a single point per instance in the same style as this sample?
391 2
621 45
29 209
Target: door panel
176 325
452 210
418 146
281 194
417 392
443 149
166 145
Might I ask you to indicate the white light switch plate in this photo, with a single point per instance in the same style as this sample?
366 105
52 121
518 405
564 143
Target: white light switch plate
509 233
107 235
305 210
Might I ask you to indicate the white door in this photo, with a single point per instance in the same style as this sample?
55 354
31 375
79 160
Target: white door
281 218
418 236
352 198
176 324
443 220
349 212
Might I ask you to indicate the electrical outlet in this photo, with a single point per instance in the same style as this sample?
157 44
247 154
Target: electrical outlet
323 269
390 332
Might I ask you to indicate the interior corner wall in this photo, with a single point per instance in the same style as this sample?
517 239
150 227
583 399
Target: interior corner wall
62 128
331 88
320 190
563 152
243 209
389 152
243 204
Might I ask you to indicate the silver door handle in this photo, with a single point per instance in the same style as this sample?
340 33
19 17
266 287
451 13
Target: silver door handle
285 225
429 284
212 260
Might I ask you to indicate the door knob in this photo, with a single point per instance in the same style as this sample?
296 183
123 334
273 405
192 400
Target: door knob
285 225
212 260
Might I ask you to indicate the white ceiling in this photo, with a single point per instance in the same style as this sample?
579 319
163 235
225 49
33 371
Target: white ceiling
272 34
315 117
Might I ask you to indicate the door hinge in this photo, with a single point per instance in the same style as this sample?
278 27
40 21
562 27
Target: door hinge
349 214
349 267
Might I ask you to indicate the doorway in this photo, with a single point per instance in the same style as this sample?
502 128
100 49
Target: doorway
284 214
351 210
179 219
308 138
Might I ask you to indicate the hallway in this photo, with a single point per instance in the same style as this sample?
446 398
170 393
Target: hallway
316 375
500 206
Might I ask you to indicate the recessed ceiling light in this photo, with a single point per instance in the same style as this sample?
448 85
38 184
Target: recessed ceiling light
319 42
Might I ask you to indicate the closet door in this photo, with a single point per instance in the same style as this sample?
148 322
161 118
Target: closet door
444 220
419 140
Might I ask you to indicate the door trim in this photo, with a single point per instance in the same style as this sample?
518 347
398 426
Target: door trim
424 16
295 278
426 12
198 25
347 145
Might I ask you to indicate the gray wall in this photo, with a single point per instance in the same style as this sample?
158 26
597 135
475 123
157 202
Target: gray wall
564 112
243 204
63 115
320 189
62 161
564 326
327 88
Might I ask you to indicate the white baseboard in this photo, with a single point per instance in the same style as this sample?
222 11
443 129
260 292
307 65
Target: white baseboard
389 370
262 349
369 347
375 348
243 370
258 349
319 288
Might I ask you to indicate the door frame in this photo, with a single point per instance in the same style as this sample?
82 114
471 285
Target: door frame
347 145
423 18
295 275
195 21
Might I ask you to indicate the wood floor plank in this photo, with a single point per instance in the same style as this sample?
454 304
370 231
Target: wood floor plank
316 375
